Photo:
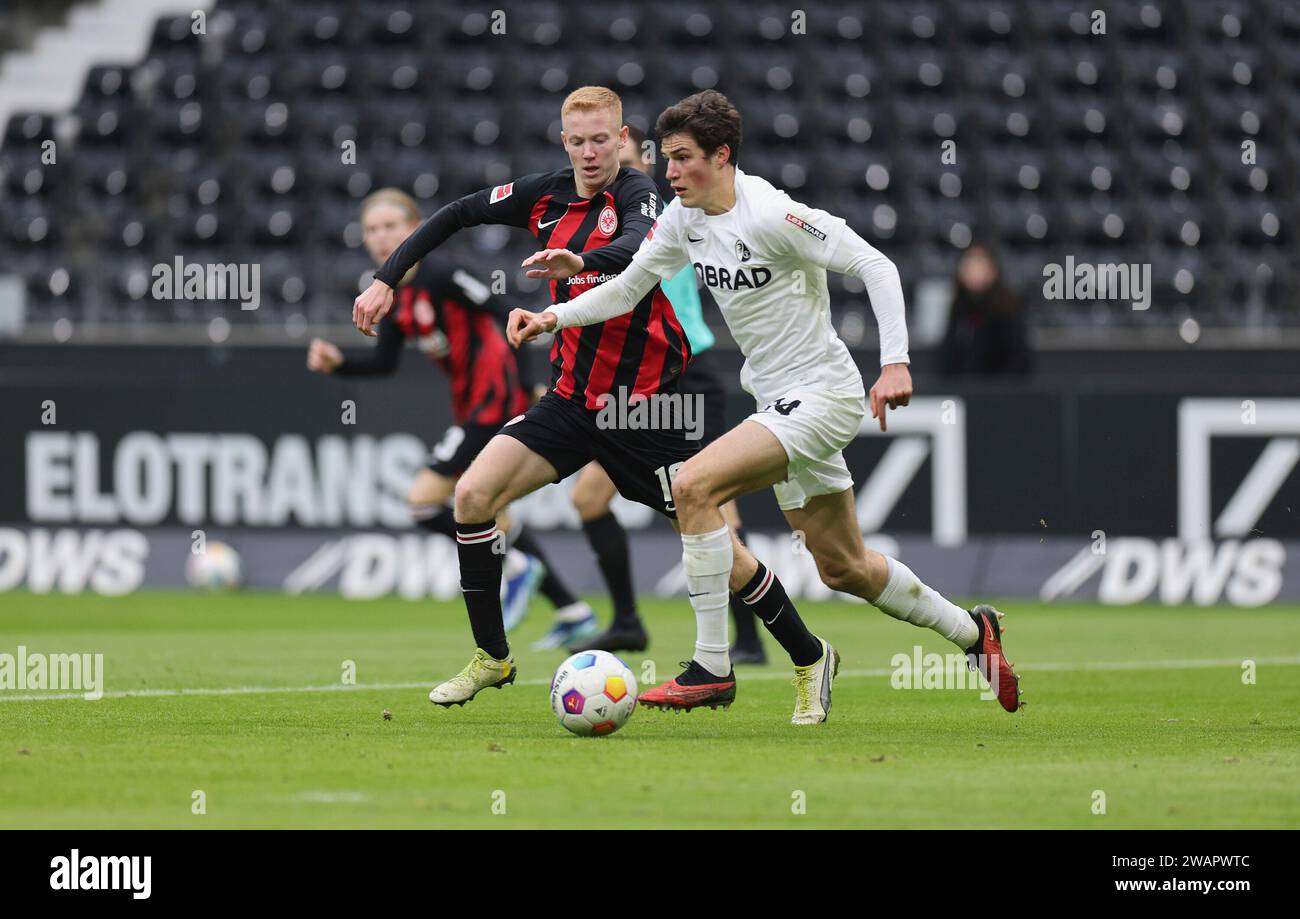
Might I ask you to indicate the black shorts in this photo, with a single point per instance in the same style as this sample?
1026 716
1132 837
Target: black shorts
459 445
701 378
640 462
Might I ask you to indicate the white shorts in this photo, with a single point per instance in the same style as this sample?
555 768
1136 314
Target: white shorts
813 425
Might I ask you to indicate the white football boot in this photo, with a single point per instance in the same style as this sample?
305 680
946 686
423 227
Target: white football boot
812 687
483 671
572 624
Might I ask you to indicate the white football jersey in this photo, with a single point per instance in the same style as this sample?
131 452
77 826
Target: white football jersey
764 261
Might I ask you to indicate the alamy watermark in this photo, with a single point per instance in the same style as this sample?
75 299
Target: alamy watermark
103 872
1086 281
82 673
921 670
197 281
655 412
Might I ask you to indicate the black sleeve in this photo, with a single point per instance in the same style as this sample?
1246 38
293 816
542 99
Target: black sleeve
533 361
380 360
510 204
479 295
450 280
637 201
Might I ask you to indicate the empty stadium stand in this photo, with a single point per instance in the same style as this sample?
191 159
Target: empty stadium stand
1123 147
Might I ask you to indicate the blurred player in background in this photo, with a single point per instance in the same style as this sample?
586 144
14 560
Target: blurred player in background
593 491
454 319
764 257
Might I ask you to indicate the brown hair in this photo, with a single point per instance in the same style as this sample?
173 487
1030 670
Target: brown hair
708 117
395 197
586 98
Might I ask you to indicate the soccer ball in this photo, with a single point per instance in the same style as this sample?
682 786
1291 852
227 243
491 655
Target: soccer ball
215 569
593 693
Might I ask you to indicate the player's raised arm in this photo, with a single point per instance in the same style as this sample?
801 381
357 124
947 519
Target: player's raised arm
507 204
660 256
502 204
598 304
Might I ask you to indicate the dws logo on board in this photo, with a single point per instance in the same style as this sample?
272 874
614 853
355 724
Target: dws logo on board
69 561
1194 567
1173 571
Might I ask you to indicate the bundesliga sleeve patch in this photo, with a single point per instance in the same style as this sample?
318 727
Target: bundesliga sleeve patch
501 192
806 227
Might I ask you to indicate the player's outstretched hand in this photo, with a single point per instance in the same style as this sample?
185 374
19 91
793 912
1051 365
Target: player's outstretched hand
892 390
524 325
323 356
554 264
372 306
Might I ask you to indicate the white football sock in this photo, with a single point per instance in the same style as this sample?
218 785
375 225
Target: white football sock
706 558
906 598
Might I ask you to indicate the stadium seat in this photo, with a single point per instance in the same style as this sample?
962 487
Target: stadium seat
235 142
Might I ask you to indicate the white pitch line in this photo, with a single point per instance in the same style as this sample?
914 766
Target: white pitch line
1060 667
213 691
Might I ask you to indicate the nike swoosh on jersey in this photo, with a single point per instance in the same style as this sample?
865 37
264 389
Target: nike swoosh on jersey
690 238
543 226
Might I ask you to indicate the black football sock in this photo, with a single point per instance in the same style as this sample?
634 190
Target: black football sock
746 629
767 598
480 582
552 588
609 541
742 615
436 518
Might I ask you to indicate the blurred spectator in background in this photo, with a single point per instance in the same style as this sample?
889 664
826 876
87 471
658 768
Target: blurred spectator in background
986 325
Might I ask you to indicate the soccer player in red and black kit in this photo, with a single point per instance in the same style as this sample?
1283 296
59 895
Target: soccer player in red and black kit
591 218
455 320
603 212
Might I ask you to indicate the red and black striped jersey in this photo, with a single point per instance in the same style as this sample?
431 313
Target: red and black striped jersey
644 350
452 318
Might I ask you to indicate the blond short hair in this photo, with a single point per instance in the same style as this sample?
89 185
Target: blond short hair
587 98
395 197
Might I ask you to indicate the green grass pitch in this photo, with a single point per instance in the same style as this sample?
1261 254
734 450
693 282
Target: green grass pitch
241 697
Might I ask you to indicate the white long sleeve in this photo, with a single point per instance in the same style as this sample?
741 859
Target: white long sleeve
613 298
854 255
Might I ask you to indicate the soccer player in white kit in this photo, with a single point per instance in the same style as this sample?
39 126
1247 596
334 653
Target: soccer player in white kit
764 257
